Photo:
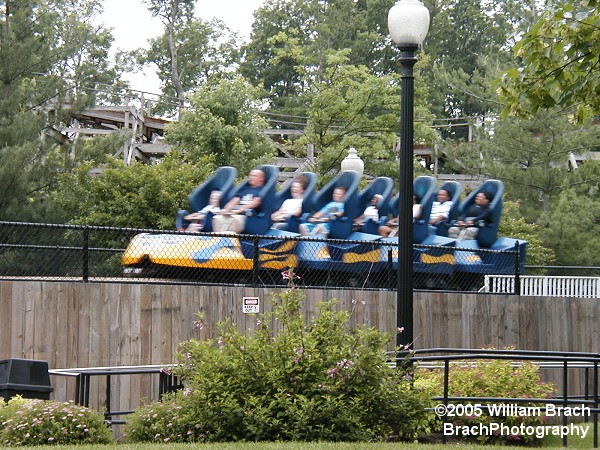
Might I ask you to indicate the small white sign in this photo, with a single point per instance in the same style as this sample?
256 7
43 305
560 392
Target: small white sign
251 305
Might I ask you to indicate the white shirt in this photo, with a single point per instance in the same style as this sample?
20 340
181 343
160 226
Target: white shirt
371 212
291 206
440 209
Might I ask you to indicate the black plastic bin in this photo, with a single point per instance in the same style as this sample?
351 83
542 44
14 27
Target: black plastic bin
25 377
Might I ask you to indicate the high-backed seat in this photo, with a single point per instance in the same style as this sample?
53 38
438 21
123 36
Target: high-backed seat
221 180
382 186
424 191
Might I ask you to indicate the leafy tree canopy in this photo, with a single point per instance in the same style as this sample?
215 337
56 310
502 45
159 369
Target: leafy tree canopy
50 56
139 196
559 62
351 107
223 122
532 157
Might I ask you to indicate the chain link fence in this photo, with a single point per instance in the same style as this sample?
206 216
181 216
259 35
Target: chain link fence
86 253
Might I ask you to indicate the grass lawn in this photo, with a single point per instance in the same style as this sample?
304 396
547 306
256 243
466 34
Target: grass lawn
549 443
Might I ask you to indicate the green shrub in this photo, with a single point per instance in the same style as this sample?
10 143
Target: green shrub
495 379
28 422
292 379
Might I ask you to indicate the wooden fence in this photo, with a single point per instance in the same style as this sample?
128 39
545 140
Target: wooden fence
87 325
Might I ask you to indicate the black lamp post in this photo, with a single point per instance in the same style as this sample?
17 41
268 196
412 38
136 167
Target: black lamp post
408 22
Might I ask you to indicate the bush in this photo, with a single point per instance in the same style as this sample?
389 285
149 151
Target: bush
293 379
40 422
495 379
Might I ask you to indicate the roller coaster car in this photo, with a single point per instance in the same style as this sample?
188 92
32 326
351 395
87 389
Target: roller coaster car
346 257
487 234
454 189
148 252
259 221
340 227
496 260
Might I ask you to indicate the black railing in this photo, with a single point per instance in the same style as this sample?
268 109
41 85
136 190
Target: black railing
167 382
445 358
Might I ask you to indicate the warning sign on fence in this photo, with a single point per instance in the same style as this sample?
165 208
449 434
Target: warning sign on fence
251 305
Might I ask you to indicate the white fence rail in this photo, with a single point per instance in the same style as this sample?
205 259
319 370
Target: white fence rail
546 286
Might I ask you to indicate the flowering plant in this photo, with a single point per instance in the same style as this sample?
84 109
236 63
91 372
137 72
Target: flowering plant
292 378
27 422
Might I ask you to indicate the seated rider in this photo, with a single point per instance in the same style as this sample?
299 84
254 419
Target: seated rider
440 210
233 215
390 229
291 206
197 219
318 223
476 216
370 212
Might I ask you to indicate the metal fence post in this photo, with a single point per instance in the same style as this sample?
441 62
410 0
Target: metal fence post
86 254
255 261
517 290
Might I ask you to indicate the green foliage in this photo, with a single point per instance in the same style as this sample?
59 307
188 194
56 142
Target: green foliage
351 107
51 56
571 228
559 59
39 422
515 226
496 379
223 123
294 379
138 195
289 37
204 51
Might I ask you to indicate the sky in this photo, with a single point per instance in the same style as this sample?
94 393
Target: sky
133 25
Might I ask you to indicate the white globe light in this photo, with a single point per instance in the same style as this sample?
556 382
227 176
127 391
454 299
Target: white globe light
353 162
408 22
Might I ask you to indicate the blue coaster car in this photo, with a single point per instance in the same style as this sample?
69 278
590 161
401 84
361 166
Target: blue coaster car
489 260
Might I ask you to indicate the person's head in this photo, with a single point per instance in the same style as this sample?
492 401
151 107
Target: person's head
214 198
338 194
376 199
256 178
483 198
443 196
299 186
415 201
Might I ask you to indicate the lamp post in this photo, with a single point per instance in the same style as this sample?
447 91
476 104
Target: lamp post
408 22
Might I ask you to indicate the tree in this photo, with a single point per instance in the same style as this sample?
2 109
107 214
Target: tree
350 107
515 226
468 43
189 56
139 196
50 54
223 121
531 157
559 60
174 14
571 229
291 36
